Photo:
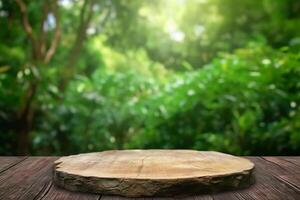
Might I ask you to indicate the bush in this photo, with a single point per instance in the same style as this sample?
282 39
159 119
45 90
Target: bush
245 103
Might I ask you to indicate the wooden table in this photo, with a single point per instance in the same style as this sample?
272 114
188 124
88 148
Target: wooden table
31 178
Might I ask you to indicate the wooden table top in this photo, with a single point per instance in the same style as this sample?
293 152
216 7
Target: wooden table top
31 178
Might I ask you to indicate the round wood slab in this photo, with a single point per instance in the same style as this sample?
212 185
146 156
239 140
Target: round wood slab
140 173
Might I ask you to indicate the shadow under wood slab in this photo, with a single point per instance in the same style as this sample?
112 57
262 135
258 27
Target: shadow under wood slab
141 173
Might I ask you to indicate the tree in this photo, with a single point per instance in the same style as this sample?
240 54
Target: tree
42 54
94 74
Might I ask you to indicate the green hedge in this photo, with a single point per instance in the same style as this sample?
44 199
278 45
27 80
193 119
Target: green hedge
243 103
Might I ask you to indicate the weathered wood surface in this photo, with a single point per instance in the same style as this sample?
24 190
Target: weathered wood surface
31 178
142 173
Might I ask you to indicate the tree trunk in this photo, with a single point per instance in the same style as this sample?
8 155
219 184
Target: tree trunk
23 142
24 120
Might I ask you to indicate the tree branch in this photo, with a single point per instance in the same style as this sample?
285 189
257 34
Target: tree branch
81 32
42 38
28 27
104 20
25 20
85 18
57 33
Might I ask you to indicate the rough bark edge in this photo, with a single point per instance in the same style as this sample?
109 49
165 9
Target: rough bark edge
160 187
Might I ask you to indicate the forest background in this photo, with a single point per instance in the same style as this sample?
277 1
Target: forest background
80 76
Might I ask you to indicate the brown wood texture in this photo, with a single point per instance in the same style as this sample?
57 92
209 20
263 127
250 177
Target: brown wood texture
142 173
31 178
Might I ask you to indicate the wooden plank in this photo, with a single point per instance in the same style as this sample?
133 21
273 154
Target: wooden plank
293 159
234 195
8 162
199 197
55 193
268 185
107 197
290 167
32 179
26 179
290 172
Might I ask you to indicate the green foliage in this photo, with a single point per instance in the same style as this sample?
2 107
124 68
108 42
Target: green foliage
240 103
98 112
201 74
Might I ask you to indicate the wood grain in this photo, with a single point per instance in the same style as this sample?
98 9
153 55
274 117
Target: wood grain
19 181
25 179
31 178
269 185
140 173
293 159
8 162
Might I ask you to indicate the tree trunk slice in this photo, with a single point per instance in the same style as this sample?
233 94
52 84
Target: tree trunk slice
141 173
